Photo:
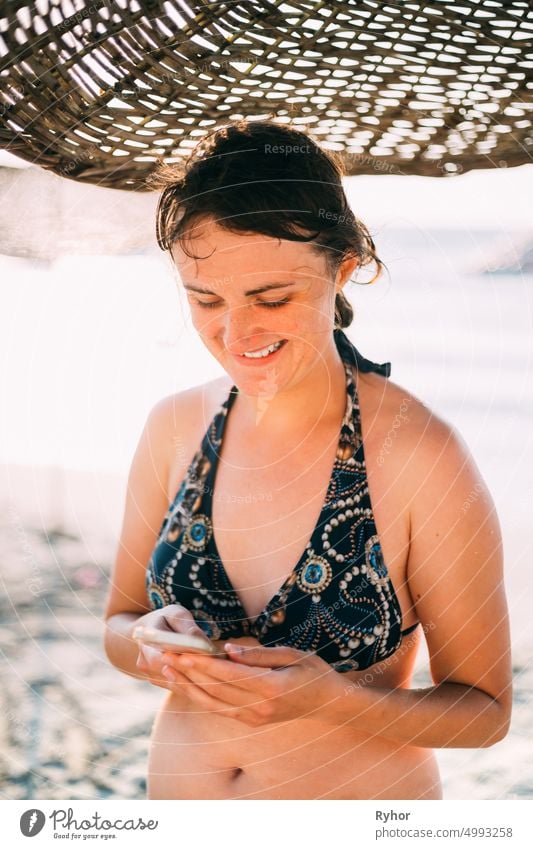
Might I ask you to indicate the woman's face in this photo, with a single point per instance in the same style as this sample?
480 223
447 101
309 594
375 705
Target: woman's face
251 292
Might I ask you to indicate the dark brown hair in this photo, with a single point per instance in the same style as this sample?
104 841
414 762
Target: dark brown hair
268 178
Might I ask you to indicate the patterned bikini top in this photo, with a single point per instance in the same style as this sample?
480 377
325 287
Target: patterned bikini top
338 601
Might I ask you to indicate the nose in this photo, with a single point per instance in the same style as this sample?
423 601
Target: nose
239 328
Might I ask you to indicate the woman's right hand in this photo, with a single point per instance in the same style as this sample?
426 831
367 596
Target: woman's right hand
174 618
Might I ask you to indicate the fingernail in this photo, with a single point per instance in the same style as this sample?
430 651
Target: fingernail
233 648
168 673
150 654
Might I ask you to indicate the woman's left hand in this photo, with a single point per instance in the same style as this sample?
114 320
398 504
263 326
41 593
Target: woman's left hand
258 685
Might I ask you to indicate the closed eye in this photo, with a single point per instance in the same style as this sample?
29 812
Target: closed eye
274 303
269 304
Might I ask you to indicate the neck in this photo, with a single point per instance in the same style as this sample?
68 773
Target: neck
318 398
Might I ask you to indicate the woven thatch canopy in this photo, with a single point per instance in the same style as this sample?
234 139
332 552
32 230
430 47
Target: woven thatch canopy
98 90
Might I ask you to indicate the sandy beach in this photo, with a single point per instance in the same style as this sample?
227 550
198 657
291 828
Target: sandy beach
70 726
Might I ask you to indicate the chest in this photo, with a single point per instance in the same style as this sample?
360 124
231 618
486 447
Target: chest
266 503
264 516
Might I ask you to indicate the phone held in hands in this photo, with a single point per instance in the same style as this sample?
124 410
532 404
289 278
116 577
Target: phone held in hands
176 642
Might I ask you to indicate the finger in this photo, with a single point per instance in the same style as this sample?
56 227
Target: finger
143 665
228 693
262 656
160 680
150 655
196 694
180 619
177 682
246 677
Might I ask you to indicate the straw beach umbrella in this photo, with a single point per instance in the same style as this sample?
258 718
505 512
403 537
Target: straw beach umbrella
98 91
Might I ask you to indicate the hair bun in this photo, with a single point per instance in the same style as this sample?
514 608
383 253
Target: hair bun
343 310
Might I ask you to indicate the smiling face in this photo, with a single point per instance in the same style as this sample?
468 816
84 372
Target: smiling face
253 291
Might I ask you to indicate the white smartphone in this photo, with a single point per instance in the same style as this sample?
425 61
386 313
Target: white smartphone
176 642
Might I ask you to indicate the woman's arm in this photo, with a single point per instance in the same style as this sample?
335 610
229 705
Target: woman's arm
455 577
121 649
145 505
447 715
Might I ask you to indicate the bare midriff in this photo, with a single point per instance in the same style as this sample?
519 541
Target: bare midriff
204 755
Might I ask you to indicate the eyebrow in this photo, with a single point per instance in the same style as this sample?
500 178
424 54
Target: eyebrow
256 291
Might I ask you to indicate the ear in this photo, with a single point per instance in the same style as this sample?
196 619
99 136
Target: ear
345 271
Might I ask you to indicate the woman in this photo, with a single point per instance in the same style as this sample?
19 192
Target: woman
337 547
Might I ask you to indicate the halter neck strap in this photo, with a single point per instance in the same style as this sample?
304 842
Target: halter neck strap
349 352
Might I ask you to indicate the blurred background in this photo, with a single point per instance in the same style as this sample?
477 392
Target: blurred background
93 331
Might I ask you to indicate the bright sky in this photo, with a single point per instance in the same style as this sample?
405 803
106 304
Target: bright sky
493 198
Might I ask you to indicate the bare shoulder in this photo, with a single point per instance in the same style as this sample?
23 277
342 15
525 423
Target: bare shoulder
406 437
386 404
179 420
180 410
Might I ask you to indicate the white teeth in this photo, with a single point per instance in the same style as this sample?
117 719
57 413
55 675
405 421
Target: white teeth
265 351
